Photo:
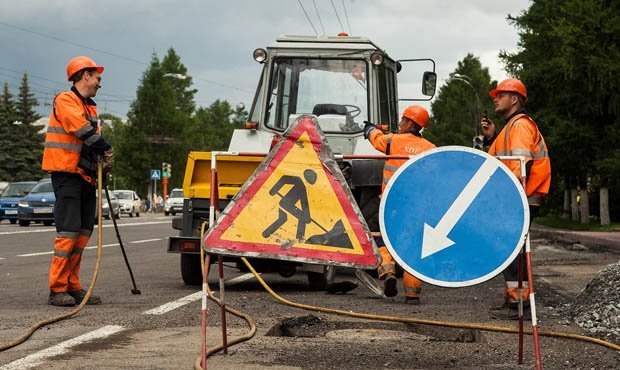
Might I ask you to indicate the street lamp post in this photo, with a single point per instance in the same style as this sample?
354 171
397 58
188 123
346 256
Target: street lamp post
467 80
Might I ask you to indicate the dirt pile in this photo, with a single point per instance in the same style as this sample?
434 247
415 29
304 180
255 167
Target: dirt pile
597 307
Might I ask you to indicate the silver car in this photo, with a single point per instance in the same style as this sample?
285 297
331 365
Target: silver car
129 201
105 208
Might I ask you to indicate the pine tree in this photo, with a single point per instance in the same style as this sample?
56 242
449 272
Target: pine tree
30 147
158 118
8 134
460 103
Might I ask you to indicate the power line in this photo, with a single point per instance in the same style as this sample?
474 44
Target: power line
337 16
307 17
55 82
347 17
318 15
58 39
71 43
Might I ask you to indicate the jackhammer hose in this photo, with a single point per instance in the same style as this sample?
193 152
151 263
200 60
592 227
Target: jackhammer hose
34 327
409 320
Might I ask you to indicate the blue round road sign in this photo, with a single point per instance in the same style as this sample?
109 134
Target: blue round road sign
454 216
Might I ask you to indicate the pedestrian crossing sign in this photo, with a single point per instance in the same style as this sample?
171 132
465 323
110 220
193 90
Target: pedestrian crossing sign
296 206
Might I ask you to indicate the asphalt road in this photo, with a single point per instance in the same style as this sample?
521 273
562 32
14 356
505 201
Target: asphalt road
160 329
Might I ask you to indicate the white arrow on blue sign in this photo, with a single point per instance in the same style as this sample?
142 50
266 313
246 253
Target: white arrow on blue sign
155 175
454 216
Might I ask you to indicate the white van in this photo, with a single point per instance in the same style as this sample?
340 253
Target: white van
174 203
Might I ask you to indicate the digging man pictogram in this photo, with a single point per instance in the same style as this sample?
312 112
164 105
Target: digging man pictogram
337 236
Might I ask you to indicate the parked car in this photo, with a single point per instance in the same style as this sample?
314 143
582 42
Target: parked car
10 199
38 205
174 203
129 201
105 208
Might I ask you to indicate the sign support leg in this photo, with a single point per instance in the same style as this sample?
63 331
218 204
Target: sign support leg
519 288
530 279
204 311
213 209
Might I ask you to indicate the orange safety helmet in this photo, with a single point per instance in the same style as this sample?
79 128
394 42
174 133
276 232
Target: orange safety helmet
512 85
79 63
417 114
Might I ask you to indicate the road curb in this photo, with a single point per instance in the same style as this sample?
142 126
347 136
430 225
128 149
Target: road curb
607 241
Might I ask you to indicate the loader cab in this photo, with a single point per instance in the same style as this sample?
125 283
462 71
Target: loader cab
343 81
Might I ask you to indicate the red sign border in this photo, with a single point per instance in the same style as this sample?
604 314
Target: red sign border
213 242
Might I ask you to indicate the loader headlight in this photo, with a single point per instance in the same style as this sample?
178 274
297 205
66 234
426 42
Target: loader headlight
260 55
376 58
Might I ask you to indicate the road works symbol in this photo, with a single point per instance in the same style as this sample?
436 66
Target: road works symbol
454 216
297 207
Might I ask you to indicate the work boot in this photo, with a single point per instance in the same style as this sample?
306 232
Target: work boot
510 311
412 300
79 295
389 286
61 299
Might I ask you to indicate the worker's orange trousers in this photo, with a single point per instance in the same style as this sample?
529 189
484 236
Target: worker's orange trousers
413 286
74 215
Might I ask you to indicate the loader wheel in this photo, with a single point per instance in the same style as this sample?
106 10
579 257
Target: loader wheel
369 205
317 280
190 269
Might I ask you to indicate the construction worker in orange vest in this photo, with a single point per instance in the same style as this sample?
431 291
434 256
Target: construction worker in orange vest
72 148
408 141
519 137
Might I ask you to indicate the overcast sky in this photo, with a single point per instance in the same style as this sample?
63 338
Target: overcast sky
215 39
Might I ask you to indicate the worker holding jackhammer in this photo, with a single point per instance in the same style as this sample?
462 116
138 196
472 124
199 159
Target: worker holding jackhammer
519 137
73 146
408 141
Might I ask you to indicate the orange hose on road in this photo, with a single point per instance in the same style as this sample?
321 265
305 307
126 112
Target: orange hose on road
40 324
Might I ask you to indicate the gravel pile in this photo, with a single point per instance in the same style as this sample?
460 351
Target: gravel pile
597 307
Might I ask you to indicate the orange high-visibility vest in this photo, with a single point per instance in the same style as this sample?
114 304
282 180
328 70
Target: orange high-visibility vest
521 137
397 144
71 119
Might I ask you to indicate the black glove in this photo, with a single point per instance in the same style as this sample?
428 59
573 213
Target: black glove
108 160
368 127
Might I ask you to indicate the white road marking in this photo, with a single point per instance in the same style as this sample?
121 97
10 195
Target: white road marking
91 247
145 241
35 254
167 307
103 246
39 358
53 229
240 279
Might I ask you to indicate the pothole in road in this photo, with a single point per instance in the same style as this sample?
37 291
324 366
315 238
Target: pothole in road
311 326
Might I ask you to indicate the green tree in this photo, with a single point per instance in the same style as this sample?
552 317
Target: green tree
460 103
212 127
567 57
8 134
30 147
158 117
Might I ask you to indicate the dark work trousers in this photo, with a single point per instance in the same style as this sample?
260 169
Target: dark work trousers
511 273
76 199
